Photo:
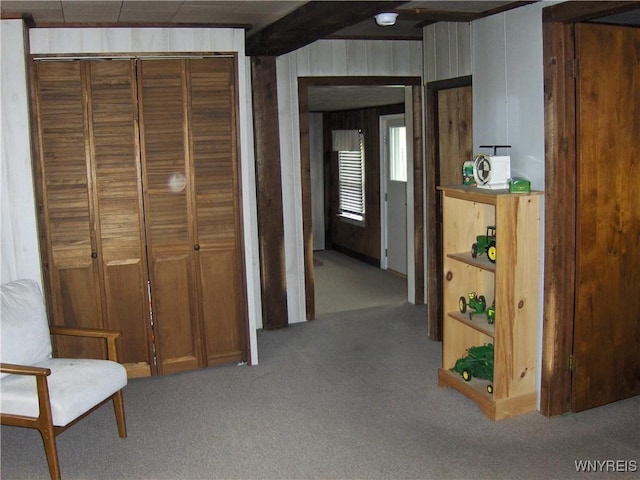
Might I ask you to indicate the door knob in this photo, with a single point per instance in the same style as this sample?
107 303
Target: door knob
94 254
196 247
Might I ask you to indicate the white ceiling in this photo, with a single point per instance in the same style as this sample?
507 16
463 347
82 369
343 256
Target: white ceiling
254 14
336 98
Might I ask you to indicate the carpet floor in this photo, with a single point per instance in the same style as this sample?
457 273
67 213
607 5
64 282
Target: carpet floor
348 396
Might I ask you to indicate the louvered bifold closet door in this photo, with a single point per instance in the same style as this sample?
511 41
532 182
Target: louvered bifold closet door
213 122
65 204
114 138
164 131
192 204
88 182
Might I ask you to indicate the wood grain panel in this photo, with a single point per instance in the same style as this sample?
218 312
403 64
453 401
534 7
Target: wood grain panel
163 93
67 225
213 140
220 277
174 302
608 234
116 174
454 128
560 219
213 136
455 120
269 191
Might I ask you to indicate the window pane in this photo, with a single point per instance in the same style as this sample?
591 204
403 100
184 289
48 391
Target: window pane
398 154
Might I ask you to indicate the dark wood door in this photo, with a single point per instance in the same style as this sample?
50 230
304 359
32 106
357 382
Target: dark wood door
217 222
115 176
607 322
69 250
138 182
168 210
91 217
191 184
455 142
450 134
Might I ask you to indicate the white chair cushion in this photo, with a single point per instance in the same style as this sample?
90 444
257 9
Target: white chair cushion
24 330
75 386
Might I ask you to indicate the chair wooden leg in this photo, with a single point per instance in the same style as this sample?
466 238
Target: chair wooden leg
51 450
118 406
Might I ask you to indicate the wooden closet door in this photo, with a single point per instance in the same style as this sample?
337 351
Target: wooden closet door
167 183
89 188
119 221
68 245
607 323
213 130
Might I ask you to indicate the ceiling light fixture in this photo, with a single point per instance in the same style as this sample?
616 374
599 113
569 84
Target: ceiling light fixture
386 19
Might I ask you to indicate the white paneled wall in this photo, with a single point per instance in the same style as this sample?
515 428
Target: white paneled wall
447 50
508 100
19 254
137 41
359 58
508 95
326 58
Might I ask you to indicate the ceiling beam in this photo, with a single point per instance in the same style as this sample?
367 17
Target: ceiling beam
311 22
572 12
427 16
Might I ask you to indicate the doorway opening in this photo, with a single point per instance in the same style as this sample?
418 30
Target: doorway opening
315 191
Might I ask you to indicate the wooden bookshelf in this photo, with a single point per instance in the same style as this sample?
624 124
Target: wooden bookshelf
512 281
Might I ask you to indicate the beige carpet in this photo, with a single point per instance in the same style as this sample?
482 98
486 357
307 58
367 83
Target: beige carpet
343 283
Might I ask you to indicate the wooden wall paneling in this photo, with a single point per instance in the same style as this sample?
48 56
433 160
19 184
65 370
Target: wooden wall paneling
433 215
218 234
269 192
456 122
560 218
163 92
307 215
69 253
115 171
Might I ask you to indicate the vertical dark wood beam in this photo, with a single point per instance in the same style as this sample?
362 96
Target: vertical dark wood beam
435 279
307 226
560 218
434 219
418 194
269 193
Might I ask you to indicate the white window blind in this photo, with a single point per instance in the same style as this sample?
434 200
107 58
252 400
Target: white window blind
351 189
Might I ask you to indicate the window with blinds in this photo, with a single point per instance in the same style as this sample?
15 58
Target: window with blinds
351 191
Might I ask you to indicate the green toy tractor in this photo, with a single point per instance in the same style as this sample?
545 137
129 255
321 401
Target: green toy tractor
477 303
486 244
477 362
491 314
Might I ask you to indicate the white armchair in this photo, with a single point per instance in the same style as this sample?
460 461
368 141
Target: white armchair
50 394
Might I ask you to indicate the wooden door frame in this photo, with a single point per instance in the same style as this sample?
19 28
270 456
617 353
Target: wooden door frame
561 195
434 204
304 83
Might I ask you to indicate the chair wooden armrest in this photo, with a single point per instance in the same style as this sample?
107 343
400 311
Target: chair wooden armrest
109 335
24 370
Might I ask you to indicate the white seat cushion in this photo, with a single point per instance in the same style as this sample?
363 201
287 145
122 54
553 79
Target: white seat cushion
75 386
